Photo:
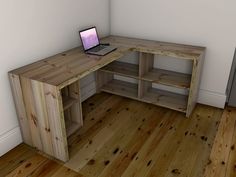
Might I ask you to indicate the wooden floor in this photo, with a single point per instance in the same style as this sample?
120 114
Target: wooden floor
122 137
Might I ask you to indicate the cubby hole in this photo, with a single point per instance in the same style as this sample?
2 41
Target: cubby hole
166 70
125 66
163 96
118 84
72 108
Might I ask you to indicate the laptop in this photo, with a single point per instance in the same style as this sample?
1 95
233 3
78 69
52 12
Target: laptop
91 43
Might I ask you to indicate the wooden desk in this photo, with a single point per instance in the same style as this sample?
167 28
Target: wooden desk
47 92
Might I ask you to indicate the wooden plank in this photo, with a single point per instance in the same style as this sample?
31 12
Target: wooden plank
208 129
146 141
122 68
28 166
96 120
14 158
42 117
76 109
128 154
121 88
71 127
30 105
131 120
231 162
166 99
145 63
57 122
102 78
157 47
67 71
169 78
68 68
195 83
188 157
222 145
24 161
166 150
147 155
68 102
20 108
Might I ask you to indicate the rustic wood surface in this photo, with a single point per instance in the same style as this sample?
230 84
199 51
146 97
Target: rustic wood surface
24 161
69 66
222 161
131 138
125 69
40 89
133 135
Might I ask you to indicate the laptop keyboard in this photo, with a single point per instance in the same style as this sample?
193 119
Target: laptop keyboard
98 48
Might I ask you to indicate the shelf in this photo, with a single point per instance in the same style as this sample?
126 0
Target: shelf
71 127
122 68
169 78
166 99
68 102
121 88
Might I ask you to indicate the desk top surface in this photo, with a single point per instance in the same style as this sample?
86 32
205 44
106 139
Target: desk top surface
69 66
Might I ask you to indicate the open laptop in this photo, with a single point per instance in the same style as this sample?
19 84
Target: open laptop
91 43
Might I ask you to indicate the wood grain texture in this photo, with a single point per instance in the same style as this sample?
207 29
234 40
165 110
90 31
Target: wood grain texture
47 119
143 140
195 83
25 161
125 69
222 159
67 67
168 78
57 122
20 108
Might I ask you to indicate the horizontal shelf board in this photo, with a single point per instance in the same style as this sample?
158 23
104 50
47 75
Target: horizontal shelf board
122 68
68 102
71 127
169 78
166 99
121 88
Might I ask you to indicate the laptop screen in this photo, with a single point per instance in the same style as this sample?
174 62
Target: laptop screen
89 38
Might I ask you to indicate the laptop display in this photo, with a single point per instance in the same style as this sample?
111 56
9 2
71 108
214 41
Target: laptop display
91 43
89 38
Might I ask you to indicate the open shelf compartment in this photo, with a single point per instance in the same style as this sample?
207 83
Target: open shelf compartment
122 68
110 83
170 78
72 108
163 98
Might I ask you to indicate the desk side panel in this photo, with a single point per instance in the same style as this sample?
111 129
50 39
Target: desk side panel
42 117
54 106
195 83
30 107
20 108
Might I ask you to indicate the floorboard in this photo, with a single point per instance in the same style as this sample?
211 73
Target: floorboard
123 137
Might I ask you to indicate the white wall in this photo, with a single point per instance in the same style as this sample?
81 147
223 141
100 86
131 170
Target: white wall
209 23
31 30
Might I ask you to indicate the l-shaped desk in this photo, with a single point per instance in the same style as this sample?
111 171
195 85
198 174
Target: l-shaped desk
47 92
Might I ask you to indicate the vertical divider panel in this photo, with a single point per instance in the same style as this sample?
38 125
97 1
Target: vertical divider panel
146 61
76 109
195 83
101 79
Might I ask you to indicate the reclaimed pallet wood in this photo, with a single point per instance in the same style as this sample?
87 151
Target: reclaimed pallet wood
125 69
48 98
